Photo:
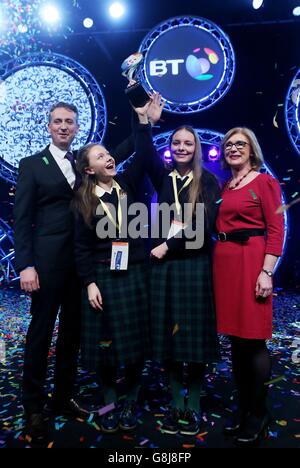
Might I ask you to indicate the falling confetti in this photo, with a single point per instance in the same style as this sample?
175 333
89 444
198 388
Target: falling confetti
275 120
283 208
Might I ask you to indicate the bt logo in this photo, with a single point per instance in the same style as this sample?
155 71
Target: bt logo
197 68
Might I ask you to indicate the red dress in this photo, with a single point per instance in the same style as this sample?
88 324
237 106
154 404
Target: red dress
237 266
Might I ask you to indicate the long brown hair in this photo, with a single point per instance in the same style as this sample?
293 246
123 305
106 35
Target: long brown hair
195 187
85 201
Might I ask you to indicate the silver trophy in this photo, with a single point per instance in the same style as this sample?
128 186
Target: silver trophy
136 93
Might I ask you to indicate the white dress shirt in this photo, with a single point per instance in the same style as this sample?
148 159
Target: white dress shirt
99 191
64 165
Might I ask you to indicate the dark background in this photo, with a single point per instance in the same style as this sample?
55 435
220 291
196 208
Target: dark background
267 47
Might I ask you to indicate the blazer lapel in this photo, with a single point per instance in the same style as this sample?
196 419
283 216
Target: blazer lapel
53 168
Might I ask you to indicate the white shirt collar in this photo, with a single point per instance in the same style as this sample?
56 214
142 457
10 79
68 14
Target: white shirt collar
178 176
99 191
57 152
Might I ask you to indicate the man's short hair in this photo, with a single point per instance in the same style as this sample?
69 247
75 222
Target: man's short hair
65 105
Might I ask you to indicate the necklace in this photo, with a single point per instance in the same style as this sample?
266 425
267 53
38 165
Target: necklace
231 187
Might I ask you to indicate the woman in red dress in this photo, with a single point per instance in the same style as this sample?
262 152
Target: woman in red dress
250 240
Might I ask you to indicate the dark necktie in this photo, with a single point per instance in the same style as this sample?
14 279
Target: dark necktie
70 157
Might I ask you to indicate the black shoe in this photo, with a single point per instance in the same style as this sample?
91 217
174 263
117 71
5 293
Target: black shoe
253 431
234 424
35 427
171 421
128 418
110 422
190 423
69 408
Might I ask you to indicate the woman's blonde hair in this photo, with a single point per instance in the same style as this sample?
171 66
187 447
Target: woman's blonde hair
256 156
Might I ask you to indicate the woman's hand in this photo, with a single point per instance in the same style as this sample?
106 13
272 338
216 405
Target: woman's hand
94 296
264 285
160 251
142 112
155 108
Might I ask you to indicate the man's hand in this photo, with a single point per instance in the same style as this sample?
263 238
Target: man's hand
29 280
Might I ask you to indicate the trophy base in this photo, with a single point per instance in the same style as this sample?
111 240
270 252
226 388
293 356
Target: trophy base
137 95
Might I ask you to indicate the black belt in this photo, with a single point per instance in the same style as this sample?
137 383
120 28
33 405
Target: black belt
240 236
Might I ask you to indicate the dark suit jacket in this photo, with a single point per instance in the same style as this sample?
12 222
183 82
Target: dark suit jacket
43 222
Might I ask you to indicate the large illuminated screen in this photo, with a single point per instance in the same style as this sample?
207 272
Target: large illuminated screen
185 65
24 107
29 86
190 62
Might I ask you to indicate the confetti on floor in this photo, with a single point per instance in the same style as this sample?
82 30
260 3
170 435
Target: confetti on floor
217 398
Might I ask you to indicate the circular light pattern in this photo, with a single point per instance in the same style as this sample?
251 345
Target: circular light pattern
213 138
213 154
88 23
257 4
29 86
292 111
116 10
189 61
296 11
50 14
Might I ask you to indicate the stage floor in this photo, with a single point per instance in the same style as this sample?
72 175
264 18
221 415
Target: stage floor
216 399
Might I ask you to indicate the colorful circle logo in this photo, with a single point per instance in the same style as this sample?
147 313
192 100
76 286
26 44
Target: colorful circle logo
197 68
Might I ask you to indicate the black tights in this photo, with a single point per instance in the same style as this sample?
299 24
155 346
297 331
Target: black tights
251 366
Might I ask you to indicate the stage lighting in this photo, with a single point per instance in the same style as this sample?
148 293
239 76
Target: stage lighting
116 10
213 154
88 23
257 4
296 11
23 28
50 14
1 19
167 155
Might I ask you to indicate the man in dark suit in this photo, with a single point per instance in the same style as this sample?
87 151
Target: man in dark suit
45 260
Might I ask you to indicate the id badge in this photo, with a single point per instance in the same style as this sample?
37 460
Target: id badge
119 256
175 228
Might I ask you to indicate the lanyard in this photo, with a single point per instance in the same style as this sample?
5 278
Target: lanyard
108 213
176 193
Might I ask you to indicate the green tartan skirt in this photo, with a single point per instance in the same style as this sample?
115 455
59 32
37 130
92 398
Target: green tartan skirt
119 334
183 323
